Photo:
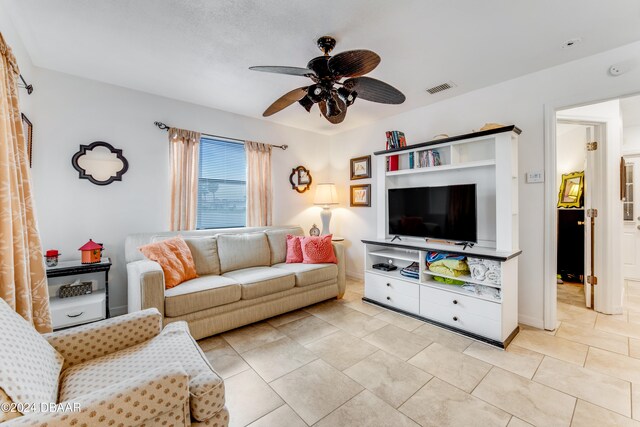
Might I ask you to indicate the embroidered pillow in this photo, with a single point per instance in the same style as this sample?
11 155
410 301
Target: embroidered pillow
174 257
294 249
318 250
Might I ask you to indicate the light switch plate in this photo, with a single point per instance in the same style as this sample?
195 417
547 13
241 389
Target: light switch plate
533 177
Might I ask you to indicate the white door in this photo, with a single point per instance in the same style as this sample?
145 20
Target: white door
631 220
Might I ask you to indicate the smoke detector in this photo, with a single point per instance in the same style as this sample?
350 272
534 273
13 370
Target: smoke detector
441 87
571 43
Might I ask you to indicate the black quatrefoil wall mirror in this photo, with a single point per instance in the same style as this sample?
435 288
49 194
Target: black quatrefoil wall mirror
100 163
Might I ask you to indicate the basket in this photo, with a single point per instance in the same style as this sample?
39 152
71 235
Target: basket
74 290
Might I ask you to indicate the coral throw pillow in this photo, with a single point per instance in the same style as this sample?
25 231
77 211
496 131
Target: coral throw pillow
294 249
174 257
318 250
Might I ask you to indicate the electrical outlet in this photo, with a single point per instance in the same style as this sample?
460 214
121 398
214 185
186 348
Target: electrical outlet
533 177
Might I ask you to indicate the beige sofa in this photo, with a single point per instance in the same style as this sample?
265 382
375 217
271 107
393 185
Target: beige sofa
243 278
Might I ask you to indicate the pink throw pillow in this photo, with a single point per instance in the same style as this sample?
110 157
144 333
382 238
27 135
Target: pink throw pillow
294 249
318 250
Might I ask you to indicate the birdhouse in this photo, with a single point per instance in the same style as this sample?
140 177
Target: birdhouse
91 252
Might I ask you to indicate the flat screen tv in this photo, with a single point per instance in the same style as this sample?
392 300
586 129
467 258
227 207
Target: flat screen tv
447 213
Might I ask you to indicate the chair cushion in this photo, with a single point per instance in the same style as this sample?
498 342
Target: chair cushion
278 243
174 258
174 344
238 251
205 254
260 281
199 294
309 274
29 365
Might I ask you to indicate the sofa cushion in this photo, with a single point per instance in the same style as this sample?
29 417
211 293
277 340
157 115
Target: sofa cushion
205 254
174 344
278 243
199 294
238 251
260 281
309 274
29 365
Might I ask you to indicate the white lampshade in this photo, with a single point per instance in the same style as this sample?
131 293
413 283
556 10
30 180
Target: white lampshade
326 194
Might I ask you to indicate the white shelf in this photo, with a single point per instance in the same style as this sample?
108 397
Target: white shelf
463 278
395 274
457 290
466 165
405 255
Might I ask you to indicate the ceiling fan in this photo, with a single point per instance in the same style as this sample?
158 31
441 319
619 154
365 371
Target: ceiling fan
332 94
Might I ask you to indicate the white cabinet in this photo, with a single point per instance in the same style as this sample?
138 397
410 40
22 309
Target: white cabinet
73 311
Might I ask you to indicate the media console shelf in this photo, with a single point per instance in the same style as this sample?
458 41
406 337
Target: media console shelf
488 159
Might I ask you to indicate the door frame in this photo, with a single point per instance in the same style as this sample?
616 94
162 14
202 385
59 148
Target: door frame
606 298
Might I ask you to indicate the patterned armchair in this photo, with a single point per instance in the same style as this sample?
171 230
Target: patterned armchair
124 371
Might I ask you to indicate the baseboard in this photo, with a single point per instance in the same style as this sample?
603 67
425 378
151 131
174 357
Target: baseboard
534 322
118 311
355 275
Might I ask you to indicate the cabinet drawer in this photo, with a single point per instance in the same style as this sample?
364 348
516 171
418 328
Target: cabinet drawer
392 298
476 306
399 286
77 310
462 320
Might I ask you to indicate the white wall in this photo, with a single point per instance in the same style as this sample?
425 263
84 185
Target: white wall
70 111
571 149
521 102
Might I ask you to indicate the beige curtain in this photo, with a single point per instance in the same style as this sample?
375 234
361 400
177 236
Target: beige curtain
185 154
23 282
259 197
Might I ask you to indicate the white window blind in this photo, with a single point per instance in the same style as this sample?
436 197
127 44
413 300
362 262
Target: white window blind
222 184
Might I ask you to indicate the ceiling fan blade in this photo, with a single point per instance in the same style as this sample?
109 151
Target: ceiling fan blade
294 71
339 118
285 100
354 63
375 90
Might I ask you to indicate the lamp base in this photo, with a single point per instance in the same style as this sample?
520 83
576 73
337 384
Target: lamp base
325 215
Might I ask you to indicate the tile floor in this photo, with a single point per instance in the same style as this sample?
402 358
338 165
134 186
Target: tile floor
347 363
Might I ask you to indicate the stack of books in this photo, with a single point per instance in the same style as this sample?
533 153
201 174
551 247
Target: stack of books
428 158
412 271
395 139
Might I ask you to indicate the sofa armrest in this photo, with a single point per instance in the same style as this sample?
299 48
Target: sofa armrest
97 339
128 403
338 249
146 286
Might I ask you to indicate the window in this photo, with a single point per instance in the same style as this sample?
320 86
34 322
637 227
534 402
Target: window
627 204
222 185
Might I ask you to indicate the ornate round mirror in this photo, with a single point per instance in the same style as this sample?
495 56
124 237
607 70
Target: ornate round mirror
100 163
300 179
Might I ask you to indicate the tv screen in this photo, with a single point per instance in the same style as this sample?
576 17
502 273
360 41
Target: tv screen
447 213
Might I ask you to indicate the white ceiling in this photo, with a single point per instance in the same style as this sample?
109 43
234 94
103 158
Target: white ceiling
199 51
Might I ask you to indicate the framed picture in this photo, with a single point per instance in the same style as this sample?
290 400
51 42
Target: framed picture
303 177
360 195
570 195
361 167
27 127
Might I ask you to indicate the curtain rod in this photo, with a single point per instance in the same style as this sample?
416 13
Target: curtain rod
26 86
163 126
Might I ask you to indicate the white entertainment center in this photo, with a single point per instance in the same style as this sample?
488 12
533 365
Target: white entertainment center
485 308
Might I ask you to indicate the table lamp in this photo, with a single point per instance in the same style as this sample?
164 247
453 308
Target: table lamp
326 195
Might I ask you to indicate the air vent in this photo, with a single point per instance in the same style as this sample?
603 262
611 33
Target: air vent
441 87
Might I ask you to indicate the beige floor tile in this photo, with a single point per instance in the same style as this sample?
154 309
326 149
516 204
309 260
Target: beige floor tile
614 364
633 303
287 317
594 338
341 350
397 341
516 359
524 327
517 422
366 410
363 307
315 390
576 315
209 343
284 416
226 361
251 336
553 346
249 387
532 402
439 404
460 370
620 327
329 310
444 337
404 322
635 401
632 316
274 359
589 415
307 329
387 377
357 324
624 317
600 389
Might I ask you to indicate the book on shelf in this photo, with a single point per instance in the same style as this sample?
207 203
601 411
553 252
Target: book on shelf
429 158
395 139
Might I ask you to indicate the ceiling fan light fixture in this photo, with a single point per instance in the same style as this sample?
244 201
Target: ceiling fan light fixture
316 93
347 96
306 103
332 108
